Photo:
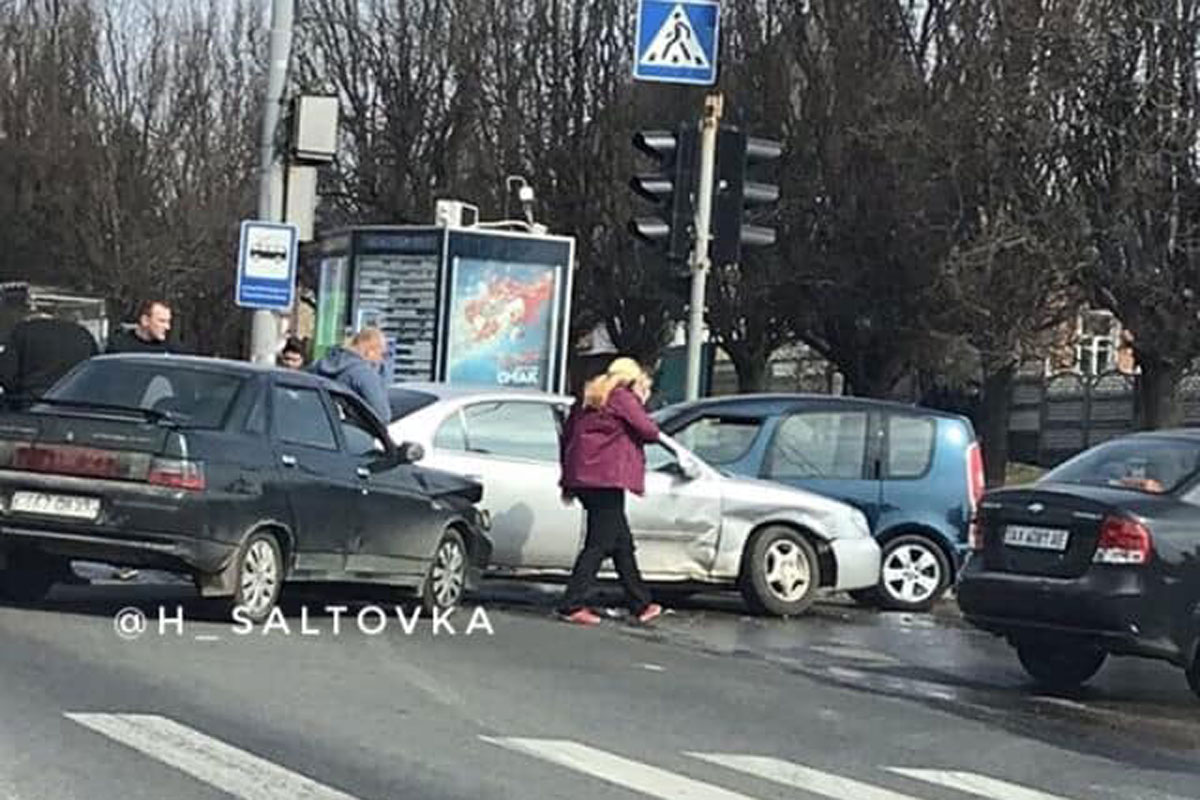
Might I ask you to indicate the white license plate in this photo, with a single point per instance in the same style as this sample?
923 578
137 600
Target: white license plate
56 505
1038 538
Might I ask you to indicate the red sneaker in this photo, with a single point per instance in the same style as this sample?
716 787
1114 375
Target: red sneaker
650 612
582 616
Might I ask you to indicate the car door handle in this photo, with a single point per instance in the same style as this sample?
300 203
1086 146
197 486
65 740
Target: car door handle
288 461
363 472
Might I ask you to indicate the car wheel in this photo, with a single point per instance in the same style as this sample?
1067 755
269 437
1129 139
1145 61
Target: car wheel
1193 675
446 581
259 577
1060 666
781 573
914 574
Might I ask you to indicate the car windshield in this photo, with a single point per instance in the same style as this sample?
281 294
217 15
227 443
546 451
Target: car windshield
193 397
1151 465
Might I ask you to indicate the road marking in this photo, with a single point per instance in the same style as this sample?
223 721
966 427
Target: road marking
633 775
229 769
799 777
979 785
652 668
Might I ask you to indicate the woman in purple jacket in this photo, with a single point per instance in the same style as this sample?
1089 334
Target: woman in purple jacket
602 458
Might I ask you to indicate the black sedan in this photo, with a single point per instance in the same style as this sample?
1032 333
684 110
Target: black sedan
241 476
1101 556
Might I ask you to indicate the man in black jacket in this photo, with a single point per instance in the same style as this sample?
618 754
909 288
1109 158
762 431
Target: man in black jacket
150 335
40 350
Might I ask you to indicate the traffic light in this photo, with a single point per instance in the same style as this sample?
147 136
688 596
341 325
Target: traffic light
672 188
737 154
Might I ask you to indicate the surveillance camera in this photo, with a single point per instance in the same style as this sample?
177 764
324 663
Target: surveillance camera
525 194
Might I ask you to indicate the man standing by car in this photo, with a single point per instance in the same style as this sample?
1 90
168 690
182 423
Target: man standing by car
357 367
150 334
40 350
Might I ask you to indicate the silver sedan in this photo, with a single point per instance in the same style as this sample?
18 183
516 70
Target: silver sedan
694 527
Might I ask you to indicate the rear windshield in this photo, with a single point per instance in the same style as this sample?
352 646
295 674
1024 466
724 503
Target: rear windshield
192 397
407 401
1146 465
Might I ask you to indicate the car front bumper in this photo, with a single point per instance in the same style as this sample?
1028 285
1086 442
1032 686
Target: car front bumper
858 563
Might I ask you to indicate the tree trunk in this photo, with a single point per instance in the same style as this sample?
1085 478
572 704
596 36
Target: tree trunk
997 403
1158 396
751 371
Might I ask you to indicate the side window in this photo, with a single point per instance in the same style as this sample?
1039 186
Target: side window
360 436
910 445
451 435
659 458
719 440
300 418
819 444
513 430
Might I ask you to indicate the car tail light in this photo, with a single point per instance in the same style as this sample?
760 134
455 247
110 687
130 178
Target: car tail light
1123 541
177 474
976 485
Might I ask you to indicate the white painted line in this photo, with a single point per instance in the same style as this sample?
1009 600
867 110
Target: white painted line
799 777
207 637
229 769
652 668
633 775
978 785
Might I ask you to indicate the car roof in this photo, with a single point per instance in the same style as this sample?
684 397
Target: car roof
779 403
457 391
225 366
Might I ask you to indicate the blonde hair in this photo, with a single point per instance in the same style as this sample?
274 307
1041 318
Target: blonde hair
367 337
621 372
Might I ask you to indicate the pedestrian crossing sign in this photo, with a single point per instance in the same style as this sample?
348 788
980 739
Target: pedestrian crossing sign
677 41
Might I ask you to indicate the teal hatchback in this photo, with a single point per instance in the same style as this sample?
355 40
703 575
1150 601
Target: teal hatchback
916 473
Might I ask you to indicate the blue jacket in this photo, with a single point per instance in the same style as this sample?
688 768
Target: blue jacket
358 375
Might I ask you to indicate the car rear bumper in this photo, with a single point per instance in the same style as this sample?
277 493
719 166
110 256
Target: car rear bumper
1111 607
170 552
858 563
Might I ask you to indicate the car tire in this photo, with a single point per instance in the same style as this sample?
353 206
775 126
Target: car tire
258 578
914 574
446 580
1060 666
781 573
1193 674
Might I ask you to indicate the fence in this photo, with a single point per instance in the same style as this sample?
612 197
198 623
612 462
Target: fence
1055 417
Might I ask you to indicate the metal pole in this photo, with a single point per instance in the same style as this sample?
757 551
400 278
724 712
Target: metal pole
265 330
709 126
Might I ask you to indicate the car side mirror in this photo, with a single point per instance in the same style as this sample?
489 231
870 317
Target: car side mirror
396 456
690 469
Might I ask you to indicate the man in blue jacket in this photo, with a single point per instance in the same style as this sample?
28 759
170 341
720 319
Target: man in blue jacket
357 366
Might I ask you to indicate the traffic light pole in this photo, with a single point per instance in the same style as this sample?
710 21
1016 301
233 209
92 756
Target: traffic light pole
709 127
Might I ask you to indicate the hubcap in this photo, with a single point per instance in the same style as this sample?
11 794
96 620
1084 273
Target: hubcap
260 575
912 573
787 570
449 573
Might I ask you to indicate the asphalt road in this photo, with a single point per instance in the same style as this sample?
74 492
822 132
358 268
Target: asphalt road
707 704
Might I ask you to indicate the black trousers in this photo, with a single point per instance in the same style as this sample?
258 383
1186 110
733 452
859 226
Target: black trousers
608 535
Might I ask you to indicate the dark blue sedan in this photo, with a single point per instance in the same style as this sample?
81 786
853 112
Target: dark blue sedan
916 473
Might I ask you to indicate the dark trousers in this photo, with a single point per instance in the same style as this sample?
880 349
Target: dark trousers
608 535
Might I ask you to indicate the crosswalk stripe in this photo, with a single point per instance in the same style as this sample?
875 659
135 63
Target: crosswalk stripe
625 772
229 769
978 785
799 777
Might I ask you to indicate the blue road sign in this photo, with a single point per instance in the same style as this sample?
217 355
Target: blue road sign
677 41
266 276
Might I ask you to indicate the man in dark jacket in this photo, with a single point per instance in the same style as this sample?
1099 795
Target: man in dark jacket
150 335
40 350
357 367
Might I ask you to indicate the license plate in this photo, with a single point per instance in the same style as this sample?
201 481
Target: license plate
56 505
1038 538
